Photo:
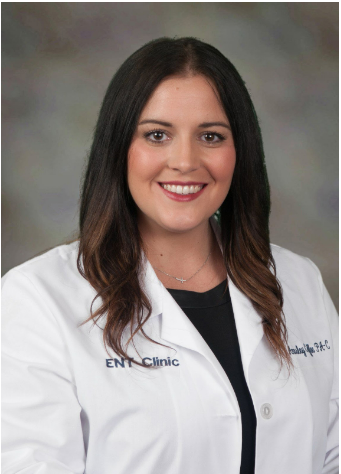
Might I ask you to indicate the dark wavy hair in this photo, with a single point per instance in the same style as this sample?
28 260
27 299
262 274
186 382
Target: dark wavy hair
110 248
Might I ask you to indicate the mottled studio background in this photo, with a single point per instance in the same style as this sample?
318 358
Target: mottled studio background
58 59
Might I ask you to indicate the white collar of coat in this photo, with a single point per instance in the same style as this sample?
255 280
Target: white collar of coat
178 329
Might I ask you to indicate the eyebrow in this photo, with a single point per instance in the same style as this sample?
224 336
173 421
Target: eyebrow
202 125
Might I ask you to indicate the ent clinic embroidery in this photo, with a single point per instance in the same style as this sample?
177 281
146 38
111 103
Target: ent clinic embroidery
147 361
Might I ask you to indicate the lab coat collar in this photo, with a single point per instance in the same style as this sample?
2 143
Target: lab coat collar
177 328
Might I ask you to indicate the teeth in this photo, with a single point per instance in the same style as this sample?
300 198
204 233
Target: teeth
182 189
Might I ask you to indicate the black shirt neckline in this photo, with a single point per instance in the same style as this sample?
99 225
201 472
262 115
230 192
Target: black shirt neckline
192 299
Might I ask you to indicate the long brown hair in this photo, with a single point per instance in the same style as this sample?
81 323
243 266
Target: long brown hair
110 255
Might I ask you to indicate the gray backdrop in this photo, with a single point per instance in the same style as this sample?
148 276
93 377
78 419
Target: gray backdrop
58 59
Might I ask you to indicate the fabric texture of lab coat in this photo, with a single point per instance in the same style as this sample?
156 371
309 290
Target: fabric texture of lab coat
69 407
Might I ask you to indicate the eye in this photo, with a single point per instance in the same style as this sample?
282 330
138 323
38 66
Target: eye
155 136
213 137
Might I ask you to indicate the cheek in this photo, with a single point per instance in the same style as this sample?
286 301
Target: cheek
143 163
223 167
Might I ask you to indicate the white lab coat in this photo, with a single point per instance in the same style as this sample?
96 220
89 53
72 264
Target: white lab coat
69 407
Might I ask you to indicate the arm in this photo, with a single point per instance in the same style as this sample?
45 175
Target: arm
331 462
41 427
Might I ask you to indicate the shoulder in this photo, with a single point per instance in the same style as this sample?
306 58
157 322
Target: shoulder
303 287
285 257
296 267
57 264
37 312
52 275
48 291
56 255
301 281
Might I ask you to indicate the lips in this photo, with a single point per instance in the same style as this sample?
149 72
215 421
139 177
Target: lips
182 192
182 189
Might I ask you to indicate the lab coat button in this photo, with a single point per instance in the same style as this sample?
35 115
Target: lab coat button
266 411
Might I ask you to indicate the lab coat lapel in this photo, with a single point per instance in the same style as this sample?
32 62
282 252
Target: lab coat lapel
176 327
248 322
249 326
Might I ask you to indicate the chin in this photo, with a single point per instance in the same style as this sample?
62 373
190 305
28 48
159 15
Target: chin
182 224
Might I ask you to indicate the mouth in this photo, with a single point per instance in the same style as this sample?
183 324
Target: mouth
183 189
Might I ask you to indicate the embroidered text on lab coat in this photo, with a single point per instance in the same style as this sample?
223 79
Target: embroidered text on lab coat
147 361
317 347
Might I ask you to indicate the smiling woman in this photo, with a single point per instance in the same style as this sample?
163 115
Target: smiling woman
171 337
187 160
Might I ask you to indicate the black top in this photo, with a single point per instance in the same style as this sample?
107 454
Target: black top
212 314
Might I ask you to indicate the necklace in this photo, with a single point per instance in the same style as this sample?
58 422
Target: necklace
181 279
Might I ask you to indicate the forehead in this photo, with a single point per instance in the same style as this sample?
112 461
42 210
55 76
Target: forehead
185 95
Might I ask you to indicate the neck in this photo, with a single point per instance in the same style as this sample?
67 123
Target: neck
182 252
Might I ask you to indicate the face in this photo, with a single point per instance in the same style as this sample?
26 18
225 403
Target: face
182 156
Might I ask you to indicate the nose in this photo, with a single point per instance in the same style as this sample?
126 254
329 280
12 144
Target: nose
184 156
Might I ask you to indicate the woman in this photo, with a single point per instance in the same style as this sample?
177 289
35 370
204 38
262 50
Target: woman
163 341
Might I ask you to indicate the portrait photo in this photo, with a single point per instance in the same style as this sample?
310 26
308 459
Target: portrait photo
170 237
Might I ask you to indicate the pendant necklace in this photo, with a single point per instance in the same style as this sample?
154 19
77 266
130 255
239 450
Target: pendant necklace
181 279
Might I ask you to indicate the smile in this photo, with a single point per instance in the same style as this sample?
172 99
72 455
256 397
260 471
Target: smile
177 189
183 193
